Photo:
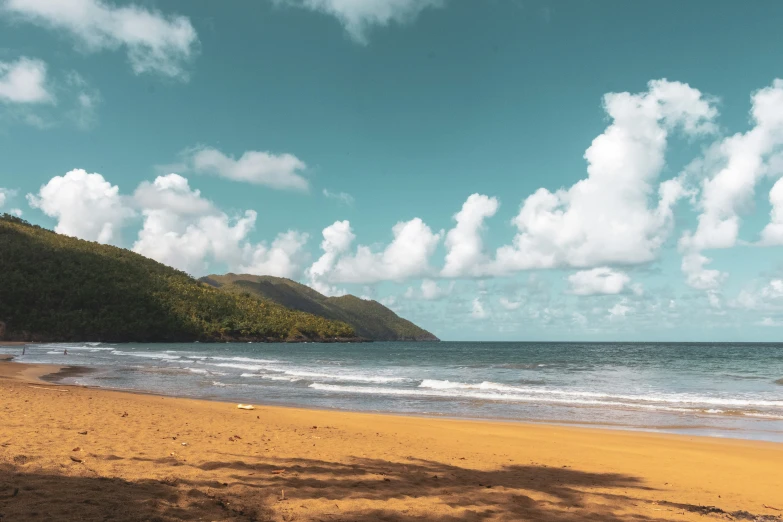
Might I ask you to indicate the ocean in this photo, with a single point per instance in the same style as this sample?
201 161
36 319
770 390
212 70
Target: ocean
725 390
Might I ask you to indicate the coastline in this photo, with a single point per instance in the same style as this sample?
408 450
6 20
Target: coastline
176 458
56 373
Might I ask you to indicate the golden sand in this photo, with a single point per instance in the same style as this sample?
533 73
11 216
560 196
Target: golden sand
84 454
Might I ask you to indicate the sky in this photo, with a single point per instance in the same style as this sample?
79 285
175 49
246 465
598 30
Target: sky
570 170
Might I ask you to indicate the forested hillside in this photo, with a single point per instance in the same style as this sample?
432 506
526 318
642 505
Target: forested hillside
58 288
369 318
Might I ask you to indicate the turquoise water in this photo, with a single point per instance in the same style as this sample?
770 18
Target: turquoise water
704 389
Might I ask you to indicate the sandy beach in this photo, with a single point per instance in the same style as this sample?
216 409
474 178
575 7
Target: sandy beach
75 453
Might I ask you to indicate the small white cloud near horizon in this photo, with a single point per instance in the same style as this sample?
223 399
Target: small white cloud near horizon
279 171
24 81
154 42
697 276
477 310
620 310
508 304
598 281
357 17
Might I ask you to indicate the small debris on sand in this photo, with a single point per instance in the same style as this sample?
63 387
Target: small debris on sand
246 407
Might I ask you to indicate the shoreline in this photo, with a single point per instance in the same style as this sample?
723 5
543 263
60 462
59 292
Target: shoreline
179 458
54 374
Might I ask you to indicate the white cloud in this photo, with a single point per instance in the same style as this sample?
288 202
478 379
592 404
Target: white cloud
342 197
602 280
579 319
184 230
180 227
477 309
619 310
86 101
32 96
699 277
282 171
768 297
429 291
357 16
405 257
172 192
5 197
773 232
85 206
606 218
283 258
768 321
24 81
337 239
154 42
732 168
508 304
465 256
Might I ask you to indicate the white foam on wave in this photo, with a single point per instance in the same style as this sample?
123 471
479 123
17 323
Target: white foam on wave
679 399
378 379
244 359
762 415
149 355
271 377
91 347
294 375
219 384
251 367
503 397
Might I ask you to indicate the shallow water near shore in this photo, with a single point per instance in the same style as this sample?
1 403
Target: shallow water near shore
727 390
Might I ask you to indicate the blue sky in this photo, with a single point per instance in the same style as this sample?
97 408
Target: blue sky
612 162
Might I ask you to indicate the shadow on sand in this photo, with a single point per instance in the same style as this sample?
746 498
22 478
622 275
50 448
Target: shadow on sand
364 490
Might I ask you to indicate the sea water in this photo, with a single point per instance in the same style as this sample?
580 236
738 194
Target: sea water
730 390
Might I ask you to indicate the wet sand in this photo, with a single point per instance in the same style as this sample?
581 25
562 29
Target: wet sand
75 453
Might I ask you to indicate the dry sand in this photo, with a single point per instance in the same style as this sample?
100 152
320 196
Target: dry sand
74 453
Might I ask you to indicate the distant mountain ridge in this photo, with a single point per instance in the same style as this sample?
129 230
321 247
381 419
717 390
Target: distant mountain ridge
59 288
368 318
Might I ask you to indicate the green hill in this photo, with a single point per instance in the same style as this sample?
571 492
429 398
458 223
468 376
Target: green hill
58 288
369 319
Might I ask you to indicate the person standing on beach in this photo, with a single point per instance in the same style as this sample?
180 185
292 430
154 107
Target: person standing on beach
65 352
